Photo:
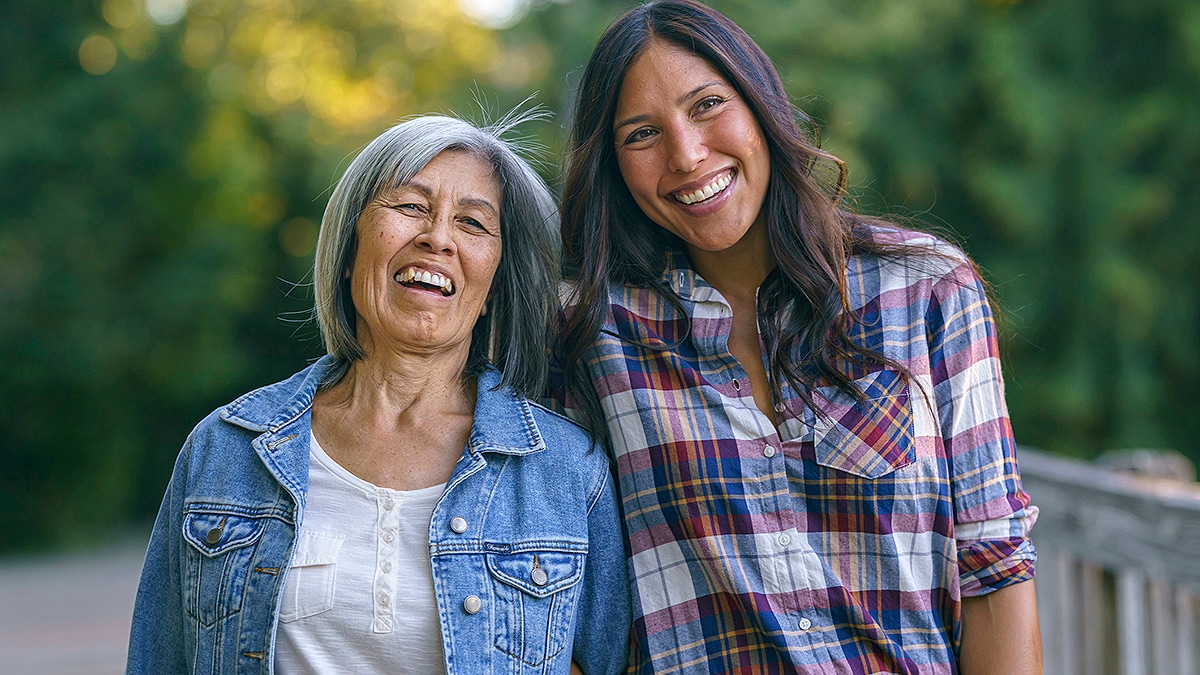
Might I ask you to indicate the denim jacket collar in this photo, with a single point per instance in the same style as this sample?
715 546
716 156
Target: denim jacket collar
510 428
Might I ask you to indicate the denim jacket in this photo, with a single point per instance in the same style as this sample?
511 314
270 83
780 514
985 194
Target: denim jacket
526 484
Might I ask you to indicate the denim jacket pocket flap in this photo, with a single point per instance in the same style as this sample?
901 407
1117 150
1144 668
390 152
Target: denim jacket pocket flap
214 534
870 437
537 573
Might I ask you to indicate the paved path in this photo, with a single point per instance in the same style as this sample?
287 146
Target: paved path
68 614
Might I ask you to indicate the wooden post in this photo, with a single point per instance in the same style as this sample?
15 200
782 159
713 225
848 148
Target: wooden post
1131 621
1185 624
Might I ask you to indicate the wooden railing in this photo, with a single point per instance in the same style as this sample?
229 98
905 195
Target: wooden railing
1118 574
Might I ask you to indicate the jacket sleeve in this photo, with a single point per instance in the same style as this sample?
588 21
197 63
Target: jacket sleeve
603 620
993 514
156 638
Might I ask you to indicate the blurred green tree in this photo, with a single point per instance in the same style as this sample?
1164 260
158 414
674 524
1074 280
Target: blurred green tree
162 174
164 165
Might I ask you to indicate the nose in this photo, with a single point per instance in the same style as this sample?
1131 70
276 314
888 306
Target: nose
438 235
686 148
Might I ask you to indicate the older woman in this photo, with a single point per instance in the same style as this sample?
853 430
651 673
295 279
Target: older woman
806 408
400 506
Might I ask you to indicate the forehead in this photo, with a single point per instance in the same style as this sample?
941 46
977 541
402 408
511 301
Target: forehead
662 73
456 170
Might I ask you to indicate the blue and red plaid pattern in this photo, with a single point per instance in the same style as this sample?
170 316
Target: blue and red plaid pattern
839 542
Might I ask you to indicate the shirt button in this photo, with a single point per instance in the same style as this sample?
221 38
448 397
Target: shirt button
458 524
769 451
472 604
784 539
386 567
387 504
779 407
388 536
737 386
383 601
805 624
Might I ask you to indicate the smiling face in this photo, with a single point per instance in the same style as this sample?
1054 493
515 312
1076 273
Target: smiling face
691 152
427 251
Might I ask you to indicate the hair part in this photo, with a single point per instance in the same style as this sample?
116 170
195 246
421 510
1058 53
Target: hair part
513 333
803 304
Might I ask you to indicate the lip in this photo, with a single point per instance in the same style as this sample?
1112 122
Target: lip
426 267
715 202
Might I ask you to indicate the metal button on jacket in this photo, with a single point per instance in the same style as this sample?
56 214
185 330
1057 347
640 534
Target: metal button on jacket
538 575
472 604
458 524
213 536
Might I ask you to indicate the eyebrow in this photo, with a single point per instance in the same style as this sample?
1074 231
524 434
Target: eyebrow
679 101
465 201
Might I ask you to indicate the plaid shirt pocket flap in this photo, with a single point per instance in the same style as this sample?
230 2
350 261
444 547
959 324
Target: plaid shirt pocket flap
871 437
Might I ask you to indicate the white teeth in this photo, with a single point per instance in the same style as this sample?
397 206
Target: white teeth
411 274
706 192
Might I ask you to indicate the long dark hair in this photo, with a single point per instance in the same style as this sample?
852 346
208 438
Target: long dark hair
607 239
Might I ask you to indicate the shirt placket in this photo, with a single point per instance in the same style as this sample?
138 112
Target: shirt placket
387 551
791 569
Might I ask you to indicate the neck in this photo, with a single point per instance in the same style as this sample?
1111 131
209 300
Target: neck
388 387
739 270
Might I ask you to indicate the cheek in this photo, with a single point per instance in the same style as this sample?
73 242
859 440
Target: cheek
638 177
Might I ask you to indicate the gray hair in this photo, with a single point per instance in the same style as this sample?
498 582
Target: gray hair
513 334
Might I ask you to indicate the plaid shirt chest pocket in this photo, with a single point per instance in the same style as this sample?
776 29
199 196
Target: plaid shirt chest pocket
871 437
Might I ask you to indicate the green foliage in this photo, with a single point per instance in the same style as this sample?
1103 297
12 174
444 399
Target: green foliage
154 216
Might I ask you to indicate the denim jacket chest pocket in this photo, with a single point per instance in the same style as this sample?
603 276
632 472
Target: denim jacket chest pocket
536 596
220 547
871 437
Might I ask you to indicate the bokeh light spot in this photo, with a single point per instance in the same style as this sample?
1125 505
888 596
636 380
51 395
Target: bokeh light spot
495 14
97 54
298 237
201 42
120 13
166 12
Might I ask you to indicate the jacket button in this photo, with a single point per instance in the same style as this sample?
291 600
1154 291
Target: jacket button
213 536
458 524
472 604
538 575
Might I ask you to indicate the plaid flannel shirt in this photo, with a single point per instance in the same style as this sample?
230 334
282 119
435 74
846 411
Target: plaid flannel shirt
836 543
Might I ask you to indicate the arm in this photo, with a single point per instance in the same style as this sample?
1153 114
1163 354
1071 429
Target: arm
156 636
1000 633
993 514
603 618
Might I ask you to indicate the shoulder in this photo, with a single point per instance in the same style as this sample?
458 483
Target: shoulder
562 429
570 450
894 257
265 407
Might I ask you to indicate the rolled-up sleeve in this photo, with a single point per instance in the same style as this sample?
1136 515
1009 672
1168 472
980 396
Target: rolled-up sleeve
993 514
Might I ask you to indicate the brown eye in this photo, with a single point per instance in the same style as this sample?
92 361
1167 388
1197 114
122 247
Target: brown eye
639 135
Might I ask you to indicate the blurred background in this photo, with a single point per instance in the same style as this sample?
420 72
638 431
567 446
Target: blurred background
164 165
